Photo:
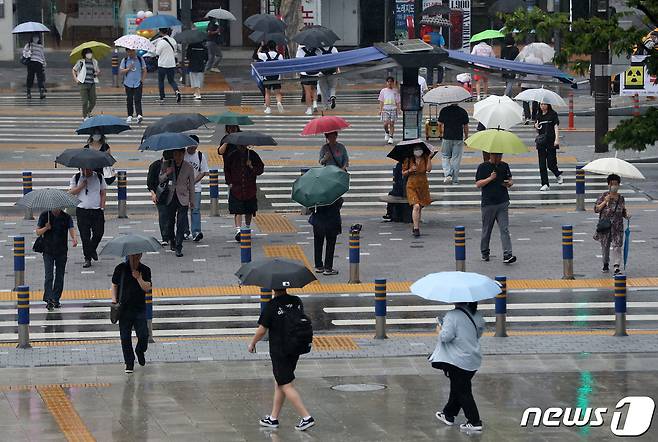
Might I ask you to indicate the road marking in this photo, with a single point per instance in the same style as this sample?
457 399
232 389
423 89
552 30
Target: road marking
64 413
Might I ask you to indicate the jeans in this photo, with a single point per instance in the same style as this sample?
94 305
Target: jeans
214 55
170 74
128 320
163 213
34 68
547 160
53 291
176 217
508 87
318 242
451 153
327 85
496 213
91 224
605 249
461 395
88 97
195 214
134 97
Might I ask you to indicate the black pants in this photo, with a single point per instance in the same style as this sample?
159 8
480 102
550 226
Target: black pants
461 396
128 320
91 224
319 238
526 110
176 217
163 221
134 98
169 73
53 285
547 160
35 68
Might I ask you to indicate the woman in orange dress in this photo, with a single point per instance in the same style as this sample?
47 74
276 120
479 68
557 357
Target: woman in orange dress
415 169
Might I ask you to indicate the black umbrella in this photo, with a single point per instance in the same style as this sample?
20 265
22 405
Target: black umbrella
250 138
190 36
405 149
316 37
131 244
85 158
507 6
175 123
437 10
167 141
277 37
275 274
265 23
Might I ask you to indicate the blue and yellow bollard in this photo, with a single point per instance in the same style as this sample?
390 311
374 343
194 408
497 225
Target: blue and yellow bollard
214 192
149 313
355 256
620 305
580 189
245 245
380 309
567 252
23 306
115 68
460 248
27 188
19 261
265 298
122 193
501 308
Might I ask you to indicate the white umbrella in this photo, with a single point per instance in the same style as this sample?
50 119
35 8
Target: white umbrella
455 287
498 112
30 27
541 95
446 94
220 14
136 42
542 51
606 166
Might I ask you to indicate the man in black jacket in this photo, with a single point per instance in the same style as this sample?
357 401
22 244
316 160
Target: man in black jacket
158 192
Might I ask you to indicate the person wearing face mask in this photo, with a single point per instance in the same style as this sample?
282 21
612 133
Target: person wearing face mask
180 197
97 141
547 143
90 189
334 153
133 69
415 169
85 74
611 208
36 65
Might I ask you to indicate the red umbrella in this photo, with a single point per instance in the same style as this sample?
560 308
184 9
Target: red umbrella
325 124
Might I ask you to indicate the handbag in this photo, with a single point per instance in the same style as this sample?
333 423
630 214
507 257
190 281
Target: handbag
115 309
26 56
39 245
605 224
109 174
540 140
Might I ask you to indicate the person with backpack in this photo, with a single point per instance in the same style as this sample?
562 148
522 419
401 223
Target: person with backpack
290 335
133 69
241 169
328 80
268 53
165 49
34 58
309 80
97 141
85 74
90 189
199 162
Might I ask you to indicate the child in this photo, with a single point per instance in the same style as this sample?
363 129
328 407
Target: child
389 106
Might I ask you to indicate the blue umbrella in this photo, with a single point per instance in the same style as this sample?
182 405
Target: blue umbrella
106 124
627 240
167 141
454 287
159 21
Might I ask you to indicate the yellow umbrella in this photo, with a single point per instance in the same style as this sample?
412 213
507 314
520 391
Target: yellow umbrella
99 50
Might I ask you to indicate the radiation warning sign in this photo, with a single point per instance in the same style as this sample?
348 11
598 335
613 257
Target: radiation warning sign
636 79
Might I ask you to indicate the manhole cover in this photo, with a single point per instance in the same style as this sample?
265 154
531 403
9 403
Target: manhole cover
358 387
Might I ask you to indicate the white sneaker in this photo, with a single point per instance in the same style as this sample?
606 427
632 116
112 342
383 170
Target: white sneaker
279 107
447 180
139 119
560 180
129 119
267 110
197 97
215 70
386 137
390 140
469 427
544 188
309 111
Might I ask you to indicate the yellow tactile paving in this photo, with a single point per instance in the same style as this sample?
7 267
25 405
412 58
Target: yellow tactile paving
334 343
288 251
63 411
5 388
242 109
274 223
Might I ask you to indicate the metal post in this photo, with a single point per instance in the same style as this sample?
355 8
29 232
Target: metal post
265 297
355 257
245 245
305 210
567 252
149 314
122 194
115 68
572 124
23 306
380 309
636 105
214 192
19 261
27 188
602 70
460 248
580 189
501 308
620 305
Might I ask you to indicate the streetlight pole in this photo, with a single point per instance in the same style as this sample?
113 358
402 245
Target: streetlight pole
601 68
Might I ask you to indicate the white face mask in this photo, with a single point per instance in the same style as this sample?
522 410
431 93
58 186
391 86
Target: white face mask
418 152
89 56
96 137
35 39
614 189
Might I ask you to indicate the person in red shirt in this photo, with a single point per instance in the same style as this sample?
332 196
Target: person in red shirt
241 168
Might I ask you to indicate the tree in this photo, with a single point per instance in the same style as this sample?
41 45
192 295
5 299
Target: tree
291 11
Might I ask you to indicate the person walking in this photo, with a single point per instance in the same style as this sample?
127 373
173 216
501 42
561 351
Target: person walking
89 187
97 141
273 319
454 121
35 55
328 80
180 196
199 163
85 74
268 52
309 80
165 49
458 354
197 56
130 282
547 144
133 69
327 226
241 168
415 169
611 208
213 45
389 107
54 226
482 49
334 153
509 52
160 191
225 149
493 178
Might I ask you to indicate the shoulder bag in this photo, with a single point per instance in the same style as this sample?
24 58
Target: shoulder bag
605 224
26 56
39 245
115 309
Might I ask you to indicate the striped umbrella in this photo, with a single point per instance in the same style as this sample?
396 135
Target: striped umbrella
48 199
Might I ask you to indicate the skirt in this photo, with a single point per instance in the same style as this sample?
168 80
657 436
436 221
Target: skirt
418 190
242 207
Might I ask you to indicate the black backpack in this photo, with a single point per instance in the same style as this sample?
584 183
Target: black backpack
99 175
297 331
269 58
328 52
308 53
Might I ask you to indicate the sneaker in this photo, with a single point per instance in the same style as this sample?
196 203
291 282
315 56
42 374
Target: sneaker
617 271
42 94
445 419
179 97
330 272
215 70
386 217
267 421
129 119
319 269
468 426
305 423
186 236
29 95
510 259
560 180
50 307
140 358
94 256
161 101
605 268
237 236
447 180
390 140
415 233
333 102
129 369
544 188
139 119
56 304
485 258
172 246
386 137
179 253
267 110
86 264
164 243
197 97
279 107
309 111
197 237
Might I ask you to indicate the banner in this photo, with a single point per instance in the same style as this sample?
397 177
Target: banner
636 79
403 10
461 25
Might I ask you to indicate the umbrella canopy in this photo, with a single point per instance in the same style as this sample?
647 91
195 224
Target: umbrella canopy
131 244
324 124
265 23
486 35
316 36
320 186
275 274
48 199
437 10
220 14
498 112
100 50
454 287
277 37
167 141
85 158
507 6
136 42
232 119
405 149
175 123
201 25
446 94
190 36
540 51
627 241
606 166
496 141
159 21
29 28
105 124
250 138
541 95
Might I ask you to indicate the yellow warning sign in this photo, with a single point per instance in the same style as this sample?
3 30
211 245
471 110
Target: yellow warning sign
634 77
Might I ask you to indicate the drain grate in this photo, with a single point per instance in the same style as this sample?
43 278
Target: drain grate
358 387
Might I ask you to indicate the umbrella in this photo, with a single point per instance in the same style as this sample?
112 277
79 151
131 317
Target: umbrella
48 199
159 21
507 6
496 141
131 244
316 36
29 28
220 14
455 287
275 274
100 50
190 36
446 94
540 51
175 123
232 119
320 186
201 25
85 158
627 240
542 96
606 166
405 149
498 111
167 141
136 42
486 35
276 37
106 124
324 124
437 10
250 138
265 23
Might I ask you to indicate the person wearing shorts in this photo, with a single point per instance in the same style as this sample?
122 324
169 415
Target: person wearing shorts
268 53
241 167
482 49
309 80
389 106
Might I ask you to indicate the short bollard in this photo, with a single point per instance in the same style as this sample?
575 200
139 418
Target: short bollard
19 261
572 123
380 309
501 308
567 252
265 297
149 313
214 192
460 248
304 210
580 189
355 257
636 105
115 68
245 245
186 71
27 188
23 305
620 305
122 193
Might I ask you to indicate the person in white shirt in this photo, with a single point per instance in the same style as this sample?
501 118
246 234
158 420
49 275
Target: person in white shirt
165 49
90 188
199 163
389 107
328 80
482 49
423 88
268 53
309 80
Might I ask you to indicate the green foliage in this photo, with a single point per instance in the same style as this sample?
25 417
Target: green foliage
635 133
542 23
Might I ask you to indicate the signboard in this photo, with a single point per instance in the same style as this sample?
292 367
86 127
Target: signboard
311 12
461 28
164 5
636 79
129 25
403 10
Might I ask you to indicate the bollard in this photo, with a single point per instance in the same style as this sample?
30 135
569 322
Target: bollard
572 124
636 105
149 314
567 252
620 305
19 261
460 248
501 308
245 245
355 258
23 306
305 210
27 188
580 189
115 68
214 192
122 194
265 297
380 309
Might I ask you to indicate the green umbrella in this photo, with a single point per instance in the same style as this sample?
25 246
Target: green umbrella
496 141
487 35
202 25
231 119
320 186
100 50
